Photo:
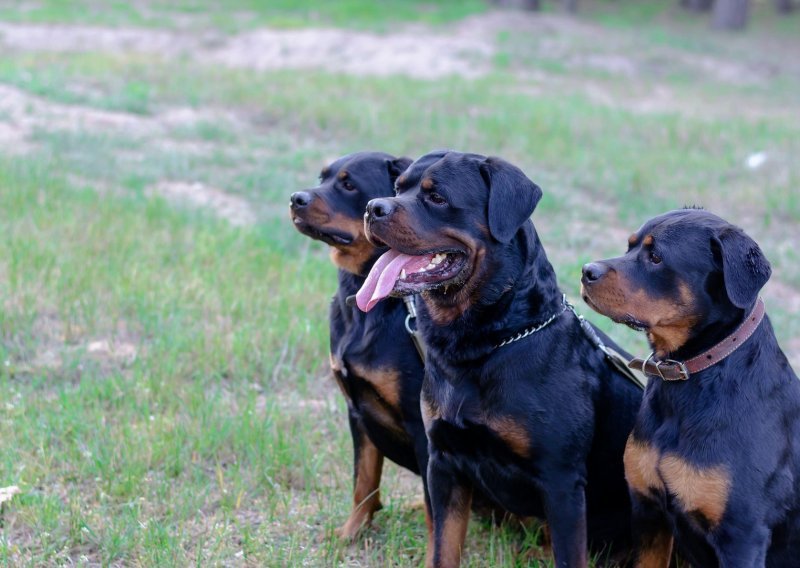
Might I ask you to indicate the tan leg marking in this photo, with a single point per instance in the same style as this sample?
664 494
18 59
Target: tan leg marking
641 467
366 494
454 532
429 548
385 381
382 402
657 552
430 412
702 490
336 364
512 432
338 371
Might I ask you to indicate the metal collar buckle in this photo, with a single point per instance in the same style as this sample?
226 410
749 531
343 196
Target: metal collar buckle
411 307
675 366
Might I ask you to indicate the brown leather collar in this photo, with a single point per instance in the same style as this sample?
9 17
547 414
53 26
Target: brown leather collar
671 370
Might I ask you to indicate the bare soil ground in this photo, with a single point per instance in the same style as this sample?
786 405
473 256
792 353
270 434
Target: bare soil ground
464 49
229 207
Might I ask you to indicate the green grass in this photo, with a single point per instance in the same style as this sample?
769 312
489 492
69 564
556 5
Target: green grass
236 15
164 397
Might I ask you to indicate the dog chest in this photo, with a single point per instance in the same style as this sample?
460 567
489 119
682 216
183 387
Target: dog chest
458 419
698 490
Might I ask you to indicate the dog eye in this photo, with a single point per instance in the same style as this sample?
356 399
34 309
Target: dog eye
436 199
654 258
348 186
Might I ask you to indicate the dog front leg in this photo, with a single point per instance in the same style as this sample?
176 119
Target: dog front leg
651 533
565 511
741 544
450 498
367 469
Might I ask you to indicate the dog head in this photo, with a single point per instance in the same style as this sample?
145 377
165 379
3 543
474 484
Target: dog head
333 211
453 216
684 271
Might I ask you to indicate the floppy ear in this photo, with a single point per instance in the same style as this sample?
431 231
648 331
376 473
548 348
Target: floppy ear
512 197
397 167
745 270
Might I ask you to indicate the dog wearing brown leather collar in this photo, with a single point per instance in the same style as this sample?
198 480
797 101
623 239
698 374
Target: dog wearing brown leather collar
713 463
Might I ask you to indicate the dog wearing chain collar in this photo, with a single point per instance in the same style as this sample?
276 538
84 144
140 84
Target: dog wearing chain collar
373 359
713 463
518 402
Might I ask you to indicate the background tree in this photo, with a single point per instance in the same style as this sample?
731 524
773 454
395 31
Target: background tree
571 6
534 5
730 14
697 5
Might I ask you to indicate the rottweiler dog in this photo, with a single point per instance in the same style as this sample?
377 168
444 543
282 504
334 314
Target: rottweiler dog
373 359
713 463
518 402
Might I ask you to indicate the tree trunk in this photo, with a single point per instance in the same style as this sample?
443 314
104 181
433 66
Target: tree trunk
730 14
697 5
784 6
532 5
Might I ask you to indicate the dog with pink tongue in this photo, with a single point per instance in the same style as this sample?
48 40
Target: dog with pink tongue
520 401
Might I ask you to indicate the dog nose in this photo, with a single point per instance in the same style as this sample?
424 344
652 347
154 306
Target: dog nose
300 199
593 271
378 208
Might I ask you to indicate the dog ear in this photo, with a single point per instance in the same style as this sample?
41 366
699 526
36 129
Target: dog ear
745 270
397 166
512 197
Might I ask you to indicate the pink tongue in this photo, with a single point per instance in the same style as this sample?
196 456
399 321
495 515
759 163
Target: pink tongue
381 279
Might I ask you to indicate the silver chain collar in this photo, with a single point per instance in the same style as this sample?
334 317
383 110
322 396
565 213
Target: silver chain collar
531 330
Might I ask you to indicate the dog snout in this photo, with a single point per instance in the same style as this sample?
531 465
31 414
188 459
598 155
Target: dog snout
300 199
378 208
594 271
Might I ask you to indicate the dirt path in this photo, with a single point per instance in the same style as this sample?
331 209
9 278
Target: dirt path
464 50
22 113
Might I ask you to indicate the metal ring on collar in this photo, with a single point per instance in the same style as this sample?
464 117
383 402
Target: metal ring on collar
409 317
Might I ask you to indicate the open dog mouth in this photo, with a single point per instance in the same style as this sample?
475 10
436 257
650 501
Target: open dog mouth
402 274
327 236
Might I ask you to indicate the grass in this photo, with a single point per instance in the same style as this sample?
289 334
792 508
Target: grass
164 397
237 15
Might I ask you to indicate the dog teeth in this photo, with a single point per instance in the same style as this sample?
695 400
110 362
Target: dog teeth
438 258
403 274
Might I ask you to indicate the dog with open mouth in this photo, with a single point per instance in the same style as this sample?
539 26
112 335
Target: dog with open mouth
373 359
519 403
713 462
